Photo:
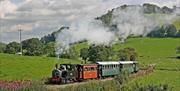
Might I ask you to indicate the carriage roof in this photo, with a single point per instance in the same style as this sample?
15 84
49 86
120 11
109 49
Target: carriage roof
107 63
127 62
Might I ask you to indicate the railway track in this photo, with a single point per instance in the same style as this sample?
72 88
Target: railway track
141 72
54 87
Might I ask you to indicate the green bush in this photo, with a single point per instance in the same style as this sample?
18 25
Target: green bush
93 86
2 47
72 53
127 54
149 87
12 48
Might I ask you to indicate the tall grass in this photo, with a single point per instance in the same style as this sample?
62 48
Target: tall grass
119 83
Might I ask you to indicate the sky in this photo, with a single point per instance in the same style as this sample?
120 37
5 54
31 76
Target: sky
37 18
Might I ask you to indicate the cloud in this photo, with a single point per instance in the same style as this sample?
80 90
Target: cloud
6 7
49 15
45 16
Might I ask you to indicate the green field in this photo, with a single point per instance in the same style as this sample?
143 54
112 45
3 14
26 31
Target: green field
158 51
14 67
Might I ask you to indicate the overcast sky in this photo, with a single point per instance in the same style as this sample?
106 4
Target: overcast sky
40 17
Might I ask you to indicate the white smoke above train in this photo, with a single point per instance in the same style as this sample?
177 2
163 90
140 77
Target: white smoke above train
129 21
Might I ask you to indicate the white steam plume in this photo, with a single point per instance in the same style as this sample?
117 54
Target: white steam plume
132 21
129 21
92 31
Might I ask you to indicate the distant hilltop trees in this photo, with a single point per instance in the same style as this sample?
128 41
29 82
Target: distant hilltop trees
51 37
167 30
147 9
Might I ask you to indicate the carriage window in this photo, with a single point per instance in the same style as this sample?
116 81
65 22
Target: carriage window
92 68
105 67
89 68
85 69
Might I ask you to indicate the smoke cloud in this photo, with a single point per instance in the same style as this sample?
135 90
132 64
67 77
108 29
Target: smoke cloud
92 31
132 21
129 21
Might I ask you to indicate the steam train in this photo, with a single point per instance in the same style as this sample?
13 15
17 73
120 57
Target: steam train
67 73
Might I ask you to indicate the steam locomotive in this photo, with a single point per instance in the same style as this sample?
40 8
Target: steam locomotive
67 73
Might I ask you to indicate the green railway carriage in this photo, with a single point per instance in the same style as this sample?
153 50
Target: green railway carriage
130 66
108 68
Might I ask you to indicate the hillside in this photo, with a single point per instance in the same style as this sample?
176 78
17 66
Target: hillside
158 51
151 50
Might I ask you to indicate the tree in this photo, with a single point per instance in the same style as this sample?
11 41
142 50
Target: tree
127 54
70 54
167 30
106 18
33 47
151 8
170 30
51 37
49 49
178 34
84 54
99 53
2 47
12 48
178 50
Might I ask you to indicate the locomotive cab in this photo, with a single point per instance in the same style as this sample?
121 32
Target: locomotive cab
56 76
64 74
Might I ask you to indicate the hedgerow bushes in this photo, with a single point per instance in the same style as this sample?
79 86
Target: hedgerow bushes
119 83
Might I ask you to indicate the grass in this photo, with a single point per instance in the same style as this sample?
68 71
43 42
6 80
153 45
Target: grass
172 78
14 67
152 50
160 52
